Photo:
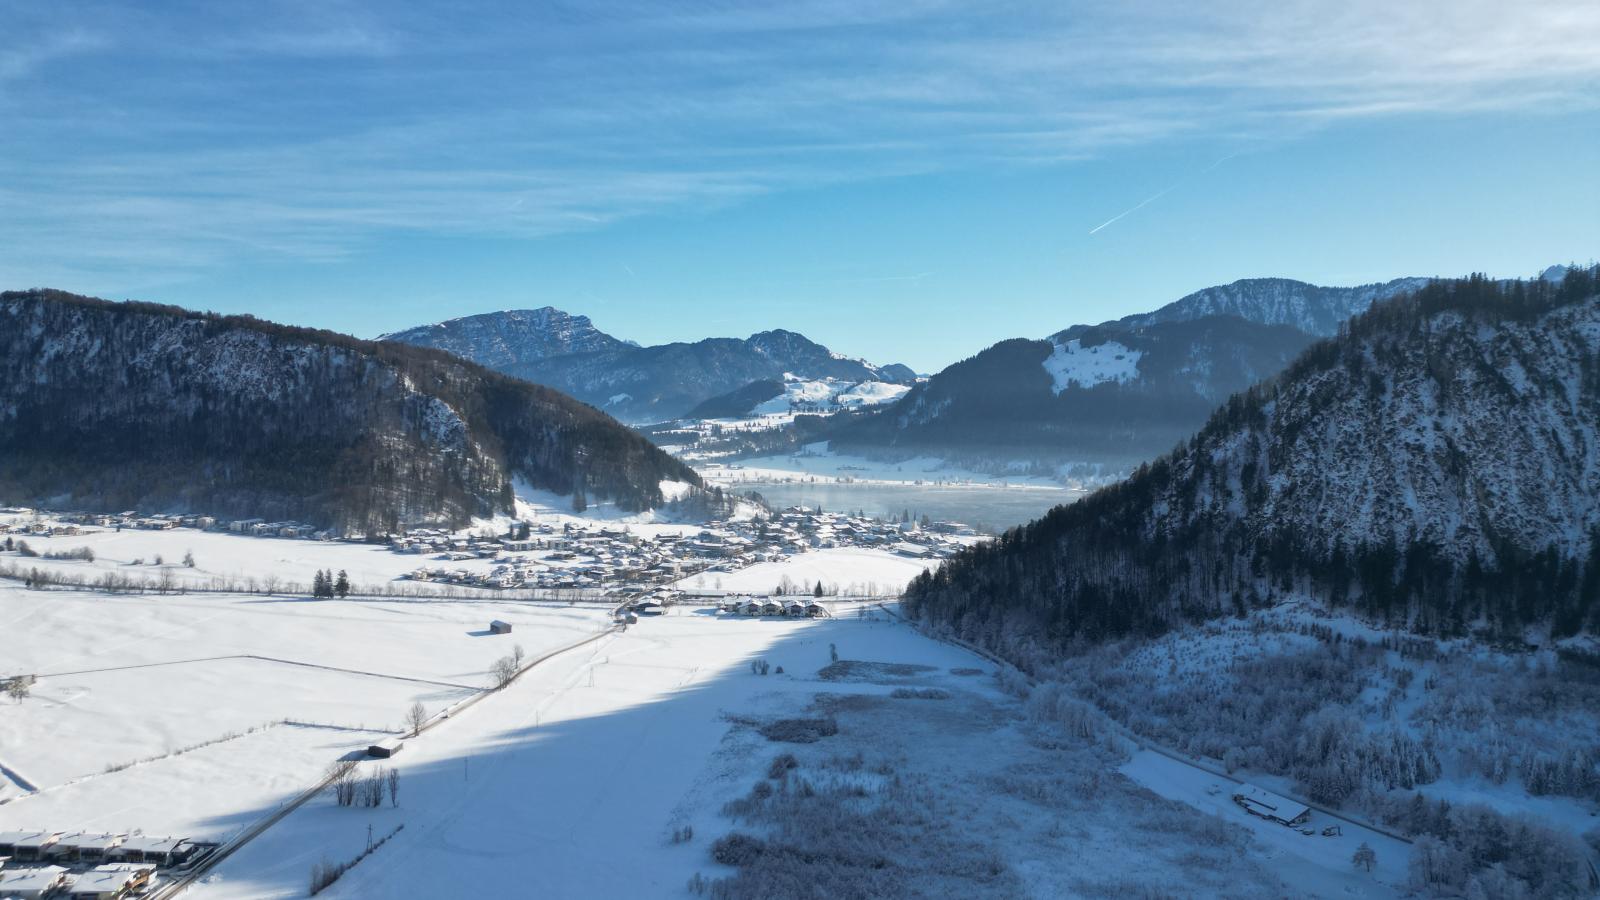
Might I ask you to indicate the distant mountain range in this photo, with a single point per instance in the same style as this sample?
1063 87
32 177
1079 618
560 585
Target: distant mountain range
637 384
1433 467
1120 392
129 405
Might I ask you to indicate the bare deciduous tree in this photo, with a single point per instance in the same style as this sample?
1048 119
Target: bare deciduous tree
416 717
504 671
394 787
342 775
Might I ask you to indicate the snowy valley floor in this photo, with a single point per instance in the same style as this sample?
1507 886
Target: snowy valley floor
613 771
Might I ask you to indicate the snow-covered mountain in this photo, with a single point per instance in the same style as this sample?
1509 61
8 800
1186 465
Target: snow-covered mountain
1311 308
118 406
1435 467
638 384
503 340
1106 393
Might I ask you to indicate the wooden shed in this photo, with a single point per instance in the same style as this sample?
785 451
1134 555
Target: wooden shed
385 748
499 627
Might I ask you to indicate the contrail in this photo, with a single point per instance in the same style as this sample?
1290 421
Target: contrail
1156 197
1147 202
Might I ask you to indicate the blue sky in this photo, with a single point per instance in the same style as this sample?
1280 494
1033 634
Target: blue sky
905 182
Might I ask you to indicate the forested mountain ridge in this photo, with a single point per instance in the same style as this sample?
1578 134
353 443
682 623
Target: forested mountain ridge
132 405
1436 466
1312 308
1104 393
638 384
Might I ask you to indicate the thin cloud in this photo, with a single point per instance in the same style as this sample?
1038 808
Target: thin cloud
335 124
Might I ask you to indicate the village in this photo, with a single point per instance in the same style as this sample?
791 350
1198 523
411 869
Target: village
85 866
615 558
568 557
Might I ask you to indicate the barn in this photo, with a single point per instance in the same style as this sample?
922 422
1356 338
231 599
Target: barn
1264 803
499 627
385 748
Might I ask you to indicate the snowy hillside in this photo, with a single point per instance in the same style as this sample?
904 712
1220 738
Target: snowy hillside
117 406
1104 394
792 394
1433 468
1071 364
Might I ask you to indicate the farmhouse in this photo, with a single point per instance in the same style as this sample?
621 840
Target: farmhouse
499 627
385 748
1260 802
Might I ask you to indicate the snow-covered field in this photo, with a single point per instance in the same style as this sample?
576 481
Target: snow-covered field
852 571
1290 854
192 689
221 556
613 770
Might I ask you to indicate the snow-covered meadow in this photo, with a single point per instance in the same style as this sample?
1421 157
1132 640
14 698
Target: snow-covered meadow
840 570
237 696
850 756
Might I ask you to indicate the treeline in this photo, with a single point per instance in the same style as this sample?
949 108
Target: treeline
1233 520
139 406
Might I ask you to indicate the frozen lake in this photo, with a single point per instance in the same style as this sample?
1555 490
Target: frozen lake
998 508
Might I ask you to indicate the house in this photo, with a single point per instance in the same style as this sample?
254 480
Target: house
26 846
752 608
795 608
771 608
1260 802
162 851
31 882
96 848
111 882
385 748
815 610
499 627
